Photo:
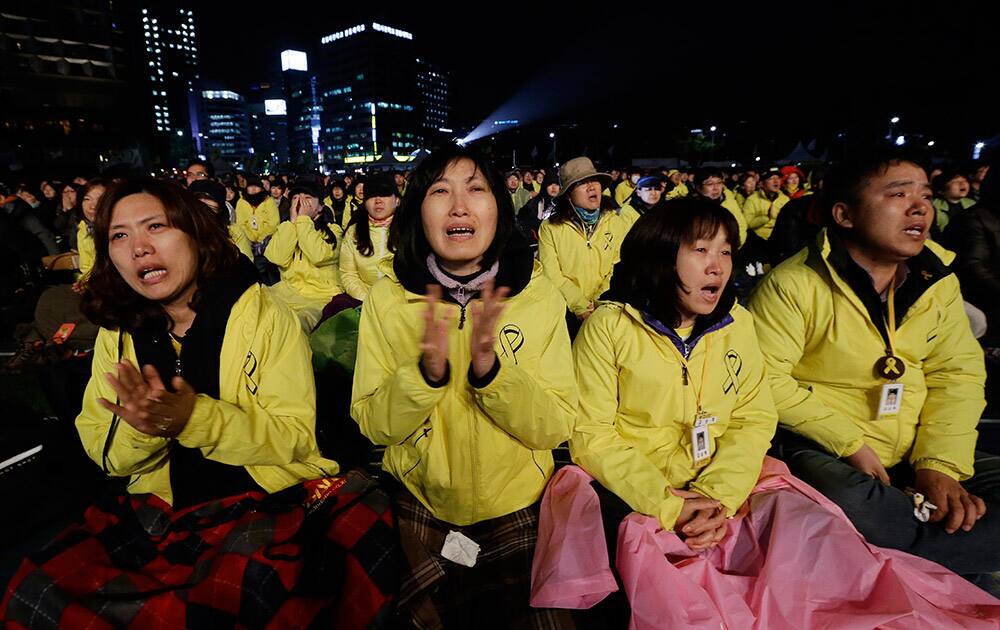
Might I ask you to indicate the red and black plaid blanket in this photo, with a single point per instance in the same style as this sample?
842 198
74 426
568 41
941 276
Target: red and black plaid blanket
320 554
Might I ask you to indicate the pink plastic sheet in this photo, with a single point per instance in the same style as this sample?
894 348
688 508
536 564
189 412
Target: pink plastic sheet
570 567
791 559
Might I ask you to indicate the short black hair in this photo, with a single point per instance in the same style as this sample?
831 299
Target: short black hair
704 173
645 275
845 180
406 234
948 173
198 162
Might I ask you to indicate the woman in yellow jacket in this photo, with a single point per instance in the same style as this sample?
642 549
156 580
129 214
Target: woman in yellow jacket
468 388
675 411
305 249
366 243
257 214
355 200
578 245
201 395
91 196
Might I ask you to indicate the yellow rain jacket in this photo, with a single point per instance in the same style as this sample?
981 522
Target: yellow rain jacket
761 213
729 203
358 273
239 237
467 454
264 420
623 191
307 262
821 344
85 248
578 266
637 410
350 207
266 215
680 190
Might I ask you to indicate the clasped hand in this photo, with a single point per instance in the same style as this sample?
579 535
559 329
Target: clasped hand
702 523
144 402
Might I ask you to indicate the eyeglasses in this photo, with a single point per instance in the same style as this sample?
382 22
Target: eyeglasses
196 174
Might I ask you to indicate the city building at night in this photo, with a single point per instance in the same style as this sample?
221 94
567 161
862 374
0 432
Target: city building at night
64 69
302 114
368 94
268 113
435 103
169 63
223 125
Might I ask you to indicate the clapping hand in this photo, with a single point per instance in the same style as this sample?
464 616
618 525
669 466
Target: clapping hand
485 313
434 346
145 403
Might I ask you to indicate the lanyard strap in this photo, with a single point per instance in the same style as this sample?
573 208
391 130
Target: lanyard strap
891 324
704 369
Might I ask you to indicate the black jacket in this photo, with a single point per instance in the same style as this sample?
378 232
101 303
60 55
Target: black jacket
974 235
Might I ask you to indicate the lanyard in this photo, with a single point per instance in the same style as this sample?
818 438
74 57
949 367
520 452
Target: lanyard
891 324
687 370
890 366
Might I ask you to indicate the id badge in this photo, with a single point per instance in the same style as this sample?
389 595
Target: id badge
891 400
701 447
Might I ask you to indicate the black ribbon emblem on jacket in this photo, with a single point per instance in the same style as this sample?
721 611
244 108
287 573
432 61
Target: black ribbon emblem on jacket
734 364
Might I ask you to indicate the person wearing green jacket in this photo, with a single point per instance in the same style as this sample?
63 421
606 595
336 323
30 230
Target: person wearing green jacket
463 374
951 196
875 373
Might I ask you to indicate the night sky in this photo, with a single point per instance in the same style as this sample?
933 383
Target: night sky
797 65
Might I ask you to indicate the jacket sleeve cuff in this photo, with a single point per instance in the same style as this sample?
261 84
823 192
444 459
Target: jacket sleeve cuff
135 438
670 509
937 465
435 384
840 439
480 383
197 432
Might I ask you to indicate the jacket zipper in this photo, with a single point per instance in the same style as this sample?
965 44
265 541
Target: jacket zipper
461 318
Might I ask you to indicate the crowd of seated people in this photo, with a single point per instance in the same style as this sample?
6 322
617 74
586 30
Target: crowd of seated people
730 360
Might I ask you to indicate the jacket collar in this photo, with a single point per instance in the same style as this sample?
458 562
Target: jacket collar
925 269
517 267
702 328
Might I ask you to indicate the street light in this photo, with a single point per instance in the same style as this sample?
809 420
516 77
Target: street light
712 128
978 149
552 135
930 143
900 141
894 119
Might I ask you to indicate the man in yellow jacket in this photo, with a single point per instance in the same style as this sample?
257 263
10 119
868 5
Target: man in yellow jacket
762 207
626 187
875 373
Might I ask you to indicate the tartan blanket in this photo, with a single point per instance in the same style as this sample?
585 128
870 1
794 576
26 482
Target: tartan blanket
437 593
318 554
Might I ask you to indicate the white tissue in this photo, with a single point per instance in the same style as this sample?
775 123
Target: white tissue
460 549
